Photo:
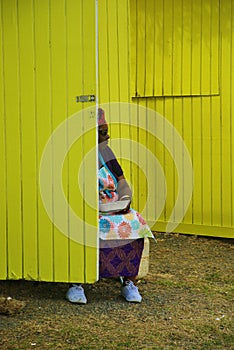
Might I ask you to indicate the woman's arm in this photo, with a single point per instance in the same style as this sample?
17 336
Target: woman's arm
124 191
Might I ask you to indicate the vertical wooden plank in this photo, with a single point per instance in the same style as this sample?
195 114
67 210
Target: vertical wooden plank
158 48
186 48
140 48
178 118
73 11
196 48
89 46
13 140
168 159
43 130
90 191
103 68
113 73
133 47
215 162
231 114
3 213
59 114
28 155
123 50
124 87
76 229
215 51
135 155
151 162
177 48
149 47
197 161
167 51
142 162
75 156
187 139
160 153
113 51
206 47
206 161
225 112
89 143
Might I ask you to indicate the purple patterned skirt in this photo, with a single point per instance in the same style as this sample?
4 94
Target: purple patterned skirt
120 258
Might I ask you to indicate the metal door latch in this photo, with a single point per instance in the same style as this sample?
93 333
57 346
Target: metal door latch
85 98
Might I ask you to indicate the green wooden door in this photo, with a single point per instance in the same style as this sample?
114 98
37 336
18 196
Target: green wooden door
48 231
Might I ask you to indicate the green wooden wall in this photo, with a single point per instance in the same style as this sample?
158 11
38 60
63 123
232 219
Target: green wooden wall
165 78
173 58
47 58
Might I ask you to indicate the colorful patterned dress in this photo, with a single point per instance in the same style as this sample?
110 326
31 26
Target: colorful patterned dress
121 235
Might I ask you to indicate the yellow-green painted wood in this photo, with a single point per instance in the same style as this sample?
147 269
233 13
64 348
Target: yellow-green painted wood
177 61
174 58
27 131
47 59
76 154
13 139
205 123
90 181
3 191
226 136
174 43
58 114
44 130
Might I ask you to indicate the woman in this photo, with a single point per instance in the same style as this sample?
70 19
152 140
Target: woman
122 233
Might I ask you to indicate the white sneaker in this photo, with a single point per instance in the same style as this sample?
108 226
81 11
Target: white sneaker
130 292
75 294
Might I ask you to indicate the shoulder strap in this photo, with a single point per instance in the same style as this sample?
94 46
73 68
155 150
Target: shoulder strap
105 165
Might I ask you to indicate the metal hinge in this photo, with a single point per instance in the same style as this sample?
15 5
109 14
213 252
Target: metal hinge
85 98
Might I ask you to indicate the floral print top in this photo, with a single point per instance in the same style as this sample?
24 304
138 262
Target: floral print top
130 225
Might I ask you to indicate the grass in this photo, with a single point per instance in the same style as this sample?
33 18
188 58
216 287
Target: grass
187 304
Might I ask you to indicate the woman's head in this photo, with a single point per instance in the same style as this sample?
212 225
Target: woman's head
101 117
102 128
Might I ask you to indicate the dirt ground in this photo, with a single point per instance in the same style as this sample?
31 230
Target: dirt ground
187 304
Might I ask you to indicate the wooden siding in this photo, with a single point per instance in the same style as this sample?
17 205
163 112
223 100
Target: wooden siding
185 74
47 58
176 47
